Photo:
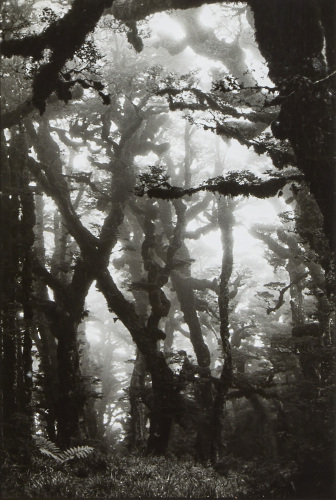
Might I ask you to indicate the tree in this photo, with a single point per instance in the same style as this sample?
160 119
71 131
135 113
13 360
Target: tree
17 321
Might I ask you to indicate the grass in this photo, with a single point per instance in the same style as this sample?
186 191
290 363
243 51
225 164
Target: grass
134 477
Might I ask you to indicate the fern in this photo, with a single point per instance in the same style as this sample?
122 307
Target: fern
79 452
51 450
47 447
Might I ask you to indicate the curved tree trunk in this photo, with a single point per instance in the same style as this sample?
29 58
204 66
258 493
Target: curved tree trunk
165 385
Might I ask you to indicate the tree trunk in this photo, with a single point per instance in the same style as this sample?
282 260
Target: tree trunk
166 404
159 431
17 221
44 340
225 220
27 237
186 297
10 270
138 409
70 402
166 400
307 116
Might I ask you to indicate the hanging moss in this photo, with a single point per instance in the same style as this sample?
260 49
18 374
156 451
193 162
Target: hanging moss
63 37
290 35
228 187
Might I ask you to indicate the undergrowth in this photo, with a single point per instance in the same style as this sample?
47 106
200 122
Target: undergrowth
97 476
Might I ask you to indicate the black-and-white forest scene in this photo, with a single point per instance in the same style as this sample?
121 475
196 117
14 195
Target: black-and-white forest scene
167 252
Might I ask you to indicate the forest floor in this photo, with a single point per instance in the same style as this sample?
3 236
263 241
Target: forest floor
119 476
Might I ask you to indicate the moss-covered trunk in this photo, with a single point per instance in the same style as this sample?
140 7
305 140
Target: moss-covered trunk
70 401
291 35
165 404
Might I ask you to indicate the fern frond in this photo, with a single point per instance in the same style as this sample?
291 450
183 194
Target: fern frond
44 443
50 449
51 455
77 452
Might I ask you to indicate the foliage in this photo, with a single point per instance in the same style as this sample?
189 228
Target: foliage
51 450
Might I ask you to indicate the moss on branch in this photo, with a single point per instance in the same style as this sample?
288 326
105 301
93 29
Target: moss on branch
225 186
63 37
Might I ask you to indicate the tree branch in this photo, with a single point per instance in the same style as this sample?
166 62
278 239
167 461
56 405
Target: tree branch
63 37
272 244
203 284
56 187
282 292
50 280
197 233
207 101
125 10
228 187
11 118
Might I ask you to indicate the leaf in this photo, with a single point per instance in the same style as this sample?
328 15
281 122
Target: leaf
45 445
49 449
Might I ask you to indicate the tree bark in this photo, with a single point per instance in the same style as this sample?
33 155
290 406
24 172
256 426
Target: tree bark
9 273
71 398
225 220
187 300
138 434
44 340
17 325
165 387
27 237
130 10
297 66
